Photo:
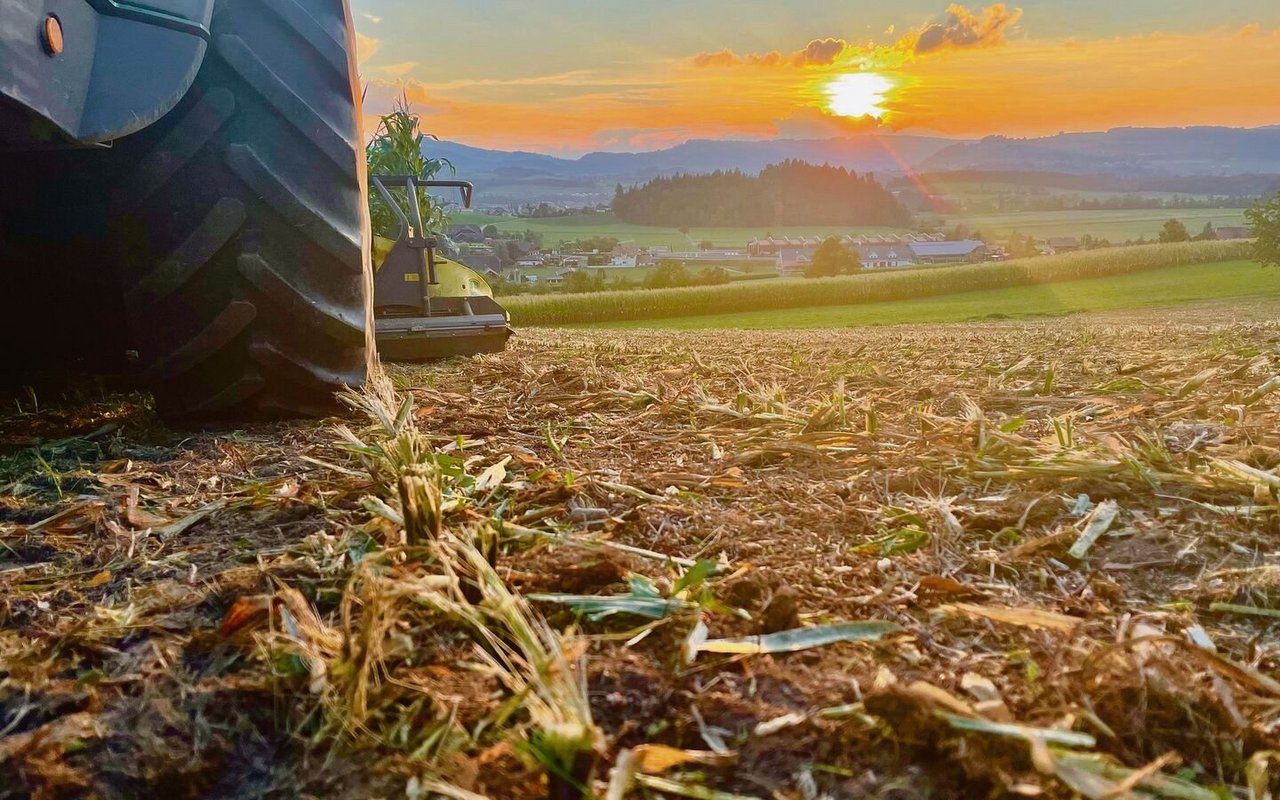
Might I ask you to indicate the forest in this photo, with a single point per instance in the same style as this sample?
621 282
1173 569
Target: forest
789 193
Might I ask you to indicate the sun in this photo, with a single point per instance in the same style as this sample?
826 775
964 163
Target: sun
858 94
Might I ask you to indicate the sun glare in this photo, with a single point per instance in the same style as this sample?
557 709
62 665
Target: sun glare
859 94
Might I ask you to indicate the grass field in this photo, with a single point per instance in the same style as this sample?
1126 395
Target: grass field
991 190
1159 288
868 287
1115 225
1024 559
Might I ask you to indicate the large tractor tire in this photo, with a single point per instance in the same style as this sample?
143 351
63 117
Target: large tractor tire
242 221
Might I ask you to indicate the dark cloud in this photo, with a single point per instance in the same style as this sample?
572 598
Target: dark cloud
821 52
720 58
963 28
959 28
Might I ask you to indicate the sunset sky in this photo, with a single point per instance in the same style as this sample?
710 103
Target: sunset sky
565 78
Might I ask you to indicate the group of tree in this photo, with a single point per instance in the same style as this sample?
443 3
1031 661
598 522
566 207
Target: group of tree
962 232
1264 219
670 274
545 210
833 258
598 244
790 193
1174 231
526 235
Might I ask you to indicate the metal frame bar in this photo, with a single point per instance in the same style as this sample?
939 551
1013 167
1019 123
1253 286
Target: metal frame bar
412 236
151 16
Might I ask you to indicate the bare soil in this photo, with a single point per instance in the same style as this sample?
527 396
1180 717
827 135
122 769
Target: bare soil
937 477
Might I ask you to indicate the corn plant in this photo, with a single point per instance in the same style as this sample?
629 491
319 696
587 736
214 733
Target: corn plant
396 149
568 309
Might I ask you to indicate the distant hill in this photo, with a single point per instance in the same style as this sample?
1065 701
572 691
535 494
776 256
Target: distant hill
508 178
862 153
1122 151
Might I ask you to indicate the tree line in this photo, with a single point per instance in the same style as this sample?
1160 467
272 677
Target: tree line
790 193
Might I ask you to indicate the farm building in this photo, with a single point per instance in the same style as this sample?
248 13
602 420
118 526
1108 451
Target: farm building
774 245
885 255
794 261
466 233
949 252
481 262
1226 232
1063 244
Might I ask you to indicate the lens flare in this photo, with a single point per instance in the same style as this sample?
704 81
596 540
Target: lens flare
858 94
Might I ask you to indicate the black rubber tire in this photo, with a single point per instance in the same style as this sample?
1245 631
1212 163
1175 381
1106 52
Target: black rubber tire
243 223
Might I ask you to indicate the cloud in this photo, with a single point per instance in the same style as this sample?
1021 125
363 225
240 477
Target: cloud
814 123
959 28
1249 31
366 47
720 58
396 70
964 28
372 18
1081 84
820 52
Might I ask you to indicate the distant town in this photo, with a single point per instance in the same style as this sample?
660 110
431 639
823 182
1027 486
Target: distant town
519 262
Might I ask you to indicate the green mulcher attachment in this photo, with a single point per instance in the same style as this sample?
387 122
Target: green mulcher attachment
427 306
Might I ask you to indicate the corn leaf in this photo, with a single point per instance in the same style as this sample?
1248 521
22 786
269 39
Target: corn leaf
1097 777
1027 617
1015 731
694 790
597 607
799 638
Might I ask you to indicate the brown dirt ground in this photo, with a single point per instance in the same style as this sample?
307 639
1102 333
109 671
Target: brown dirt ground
932 476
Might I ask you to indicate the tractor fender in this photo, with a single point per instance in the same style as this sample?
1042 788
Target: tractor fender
119 66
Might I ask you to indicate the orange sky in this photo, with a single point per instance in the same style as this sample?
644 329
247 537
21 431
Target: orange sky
968 73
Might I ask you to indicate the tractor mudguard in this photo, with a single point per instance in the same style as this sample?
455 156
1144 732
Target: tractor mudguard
89 71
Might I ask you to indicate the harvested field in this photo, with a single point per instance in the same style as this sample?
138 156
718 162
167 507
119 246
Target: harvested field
1007 559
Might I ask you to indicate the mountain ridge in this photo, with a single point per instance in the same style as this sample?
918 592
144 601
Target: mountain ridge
510 177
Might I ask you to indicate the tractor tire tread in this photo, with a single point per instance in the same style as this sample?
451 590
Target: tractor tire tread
248 290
